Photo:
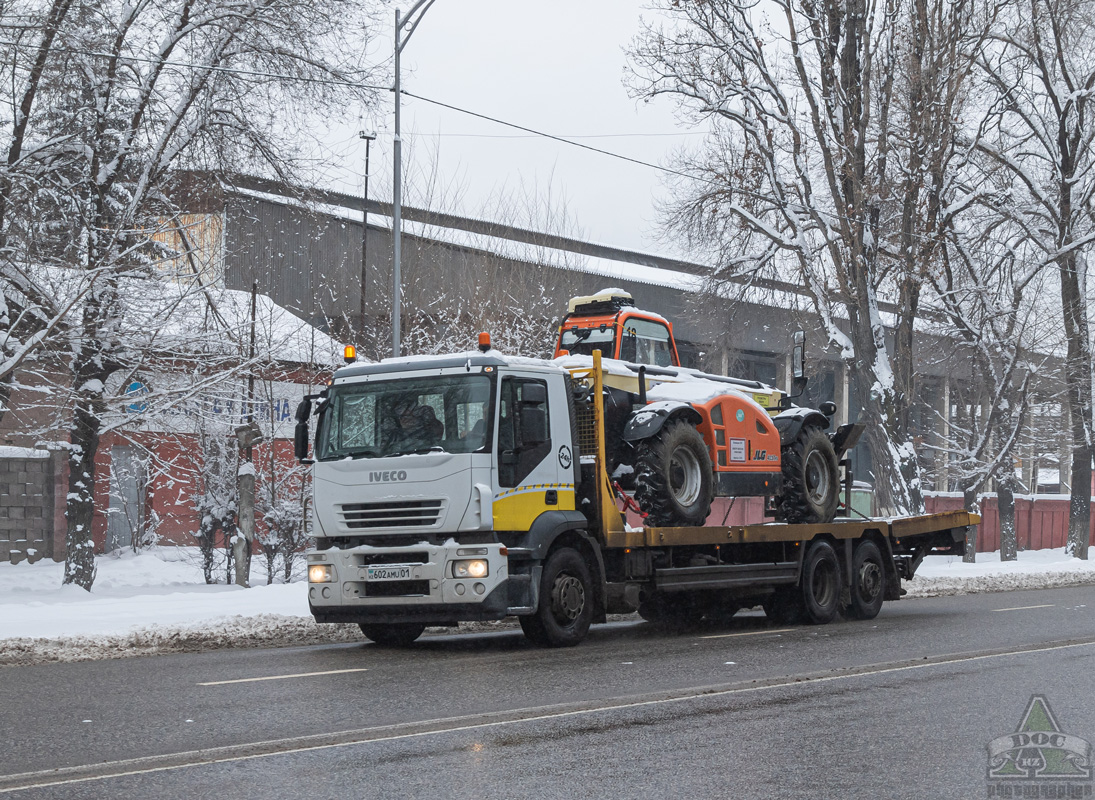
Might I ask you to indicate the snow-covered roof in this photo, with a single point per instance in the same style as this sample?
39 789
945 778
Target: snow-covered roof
189 319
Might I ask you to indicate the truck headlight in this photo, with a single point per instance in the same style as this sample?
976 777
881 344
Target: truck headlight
471 568
320 573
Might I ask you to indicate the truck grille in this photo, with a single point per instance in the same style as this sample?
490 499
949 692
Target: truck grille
398 514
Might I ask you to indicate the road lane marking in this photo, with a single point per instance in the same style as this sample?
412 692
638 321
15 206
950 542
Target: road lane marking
746 633
1024 608
387 733
284 677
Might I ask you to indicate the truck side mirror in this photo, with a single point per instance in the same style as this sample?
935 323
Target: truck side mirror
798 356
533 426
300 441
300 433
534 394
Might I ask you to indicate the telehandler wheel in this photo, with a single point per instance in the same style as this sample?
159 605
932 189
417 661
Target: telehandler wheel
868 582
811 486
675 481
394 634
820 583
566 602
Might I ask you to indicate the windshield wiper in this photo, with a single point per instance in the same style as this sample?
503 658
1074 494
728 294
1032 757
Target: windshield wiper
364 453
417 451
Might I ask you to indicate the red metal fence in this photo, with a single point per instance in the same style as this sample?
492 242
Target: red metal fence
1040 523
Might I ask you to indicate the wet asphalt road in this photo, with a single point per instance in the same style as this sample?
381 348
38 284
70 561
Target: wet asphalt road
902 706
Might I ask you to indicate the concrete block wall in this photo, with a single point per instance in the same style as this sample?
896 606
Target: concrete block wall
28 514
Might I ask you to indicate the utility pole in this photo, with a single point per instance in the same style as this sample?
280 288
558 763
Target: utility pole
410 22
368 137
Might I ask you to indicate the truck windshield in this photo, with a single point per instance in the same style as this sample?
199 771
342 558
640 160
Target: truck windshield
449 413
583 341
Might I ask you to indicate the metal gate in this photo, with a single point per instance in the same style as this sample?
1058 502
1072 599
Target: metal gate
125 517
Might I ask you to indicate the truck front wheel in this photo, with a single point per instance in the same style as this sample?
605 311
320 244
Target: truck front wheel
811 486
675 482
565 611
392 634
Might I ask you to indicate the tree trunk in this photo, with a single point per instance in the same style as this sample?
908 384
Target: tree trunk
79 507
1005 506
1079 507
969 501
245 533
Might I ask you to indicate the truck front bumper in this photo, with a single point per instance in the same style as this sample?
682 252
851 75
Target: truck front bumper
413 583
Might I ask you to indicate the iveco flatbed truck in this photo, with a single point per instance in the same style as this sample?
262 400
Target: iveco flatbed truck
479 486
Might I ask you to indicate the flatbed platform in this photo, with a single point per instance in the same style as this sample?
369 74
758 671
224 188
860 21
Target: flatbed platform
771 532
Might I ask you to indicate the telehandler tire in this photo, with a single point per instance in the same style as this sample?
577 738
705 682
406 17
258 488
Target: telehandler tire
394 634
675 480
811 486
566 601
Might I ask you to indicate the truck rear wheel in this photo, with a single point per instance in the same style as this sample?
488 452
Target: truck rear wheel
395 634
821 583
868 582
811 486
565 611
675 482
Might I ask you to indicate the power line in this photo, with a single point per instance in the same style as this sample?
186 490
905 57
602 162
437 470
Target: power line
567 136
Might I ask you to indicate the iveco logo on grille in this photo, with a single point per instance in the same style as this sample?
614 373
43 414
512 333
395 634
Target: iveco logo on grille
387 477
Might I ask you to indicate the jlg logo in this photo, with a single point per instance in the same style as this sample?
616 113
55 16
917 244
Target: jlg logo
388 477
760 455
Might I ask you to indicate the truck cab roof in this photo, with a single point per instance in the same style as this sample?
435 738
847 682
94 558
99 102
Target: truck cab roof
470 360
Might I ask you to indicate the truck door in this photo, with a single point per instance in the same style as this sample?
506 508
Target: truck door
534 465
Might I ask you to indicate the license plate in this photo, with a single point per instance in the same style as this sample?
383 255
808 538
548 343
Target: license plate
389 572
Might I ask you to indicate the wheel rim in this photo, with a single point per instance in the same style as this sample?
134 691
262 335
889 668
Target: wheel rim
568 598
823 585
870 581
684 476
817 478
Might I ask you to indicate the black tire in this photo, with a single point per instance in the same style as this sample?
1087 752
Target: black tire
820 583
675 482
868 587
811 486
393 634
565 610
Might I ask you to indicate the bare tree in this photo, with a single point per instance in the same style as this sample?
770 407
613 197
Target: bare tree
1041 64
827 166
115 97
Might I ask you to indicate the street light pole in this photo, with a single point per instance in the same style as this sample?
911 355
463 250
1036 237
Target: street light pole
410 22
368 137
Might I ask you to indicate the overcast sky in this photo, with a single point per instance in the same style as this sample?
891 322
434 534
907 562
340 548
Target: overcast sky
553 66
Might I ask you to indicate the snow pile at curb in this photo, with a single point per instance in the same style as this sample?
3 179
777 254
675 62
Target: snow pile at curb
156 602
264 630
940 576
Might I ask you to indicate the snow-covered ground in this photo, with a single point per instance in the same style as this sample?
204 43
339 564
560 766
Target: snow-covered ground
157 601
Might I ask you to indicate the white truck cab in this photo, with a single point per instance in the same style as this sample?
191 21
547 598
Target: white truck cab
422 466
